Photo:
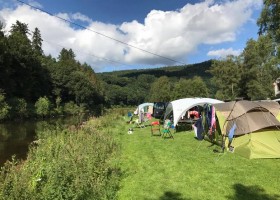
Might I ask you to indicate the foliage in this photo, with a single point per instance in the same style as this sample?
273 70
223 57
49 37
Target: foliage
226 77
77 164
132 87
18 108
72 109
160 90
259 69
194 87
27 74
43 106
269 20
4 107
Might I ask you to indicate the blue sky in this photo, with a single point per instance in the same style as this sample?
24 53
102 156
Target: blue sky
158 32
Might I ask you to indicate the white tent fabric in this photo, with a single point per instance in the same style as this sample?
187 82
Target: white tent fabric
140 109
142 106
181 106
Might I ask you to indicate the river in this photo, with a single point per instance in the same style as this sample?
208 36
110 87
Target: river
15 137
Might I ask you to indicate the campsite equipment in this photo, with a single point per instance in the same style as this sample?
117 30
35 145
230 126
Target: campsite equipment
166 129
155 128
178 108
130 117
159 109
249 128
142 110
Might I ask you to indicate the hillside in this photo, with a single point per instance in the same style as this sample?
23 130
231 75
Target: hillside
132 87
182 71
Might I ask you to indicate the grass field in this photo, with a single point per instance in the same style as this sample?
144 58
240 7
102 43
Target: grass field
184 168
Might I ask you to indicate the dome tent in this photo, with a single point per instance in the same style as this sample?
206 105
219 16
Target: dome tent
250 128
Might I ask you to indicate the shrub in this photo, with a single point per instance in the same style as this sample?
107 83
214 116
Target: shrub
71 108
18 108
64 165
4 107
43 106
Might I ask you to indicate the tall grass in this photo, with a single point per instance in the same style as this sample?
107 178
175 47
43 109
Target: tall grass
66 164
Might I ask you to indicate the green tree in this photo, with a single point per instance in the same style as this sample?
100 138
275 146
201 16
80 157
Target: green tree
18 108
37 42
30 78
269 20
161 90
259 69
226 77
194 87
43 106
4 107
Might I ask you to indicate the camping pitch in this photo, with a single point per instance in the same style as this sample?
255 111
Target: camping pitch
250 129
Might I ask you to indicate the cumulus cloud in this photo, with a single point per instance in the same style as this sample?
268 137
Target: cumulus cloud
81 17
172 34
223 53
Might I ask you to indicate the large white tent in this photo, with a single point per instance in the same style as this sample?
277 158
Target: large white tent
181 106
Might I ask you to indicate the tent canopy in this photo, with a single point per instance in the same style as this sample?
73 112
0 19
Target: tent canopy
181 106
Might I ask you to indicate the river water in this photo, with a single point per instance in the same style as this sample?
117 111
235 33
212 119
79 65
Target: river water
15 137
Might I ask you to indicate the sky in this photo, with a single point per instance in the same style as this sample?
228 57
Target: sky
112 35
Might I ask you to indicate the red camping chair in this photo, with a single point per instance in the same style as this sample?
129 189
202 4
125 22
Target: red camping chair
155 128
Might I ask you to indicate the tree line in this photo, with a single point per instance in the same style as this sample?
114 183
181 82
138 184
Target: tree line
35 84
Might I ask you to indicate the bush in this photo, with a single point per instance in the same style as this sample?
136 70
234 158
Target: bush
43 106
64 165
18 108
4 107
71 108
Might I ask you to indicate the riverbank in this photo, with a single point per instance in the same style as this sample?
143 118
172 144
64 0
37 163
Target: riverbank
67 164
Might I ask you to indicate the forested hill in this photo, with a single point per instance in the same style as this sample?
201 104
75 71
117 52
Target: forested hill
132 87
183 71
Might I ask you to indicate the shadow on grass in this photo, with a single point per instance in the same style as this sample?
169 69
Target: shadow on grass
172 196
255 192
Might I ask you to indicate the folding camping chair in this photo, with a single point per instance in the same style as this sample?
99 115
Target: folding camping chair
166 133
155 128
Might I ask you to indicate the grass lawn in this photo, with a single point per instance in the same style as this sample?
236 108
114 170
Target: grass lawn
184 168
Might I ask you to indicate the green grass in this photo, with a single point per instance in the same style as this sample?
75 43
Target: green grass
184 168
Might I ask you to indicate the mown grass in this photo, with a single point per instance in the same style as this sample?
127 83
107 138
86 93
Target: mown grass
184 168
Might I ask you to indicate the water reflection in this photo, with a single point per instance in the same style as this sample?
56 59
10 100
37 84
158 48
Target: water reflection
15 137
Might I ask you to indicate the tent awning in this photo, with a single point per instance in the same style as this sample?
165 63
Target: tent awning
180 106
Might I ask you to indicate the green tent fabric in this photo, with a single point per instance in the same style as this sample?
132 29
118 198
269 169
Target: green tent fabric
260 144
257 133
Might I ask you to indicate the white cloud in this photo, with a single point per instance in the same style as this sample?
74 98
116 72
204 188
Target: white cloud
81 17
223 53
172 34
